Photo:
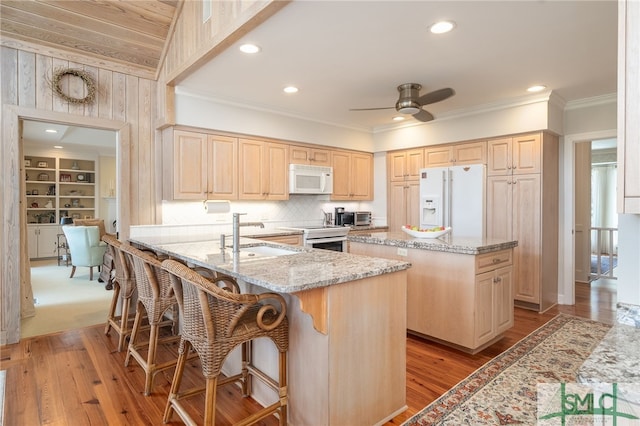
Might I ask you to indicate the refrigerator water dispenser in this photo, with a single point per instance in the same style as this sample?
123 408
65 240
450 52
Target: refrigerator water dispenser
431 213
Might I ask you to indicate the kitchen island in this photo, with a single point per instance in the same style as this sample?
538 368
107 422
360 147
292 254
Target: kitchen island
347 319
459 290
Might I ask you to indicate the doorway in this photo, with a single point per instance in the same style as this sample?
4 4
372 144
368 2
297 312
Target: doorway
593 211
64 149
13 265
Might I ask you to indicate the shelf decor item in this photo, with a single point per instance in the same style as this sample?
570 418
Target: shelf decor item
43 176
27 162
75 166
43 164
81 177
64 177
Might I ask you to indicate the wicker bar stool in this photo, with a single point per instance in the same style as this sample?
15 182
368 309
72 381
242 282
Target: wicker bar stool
124 286
216 319
155 297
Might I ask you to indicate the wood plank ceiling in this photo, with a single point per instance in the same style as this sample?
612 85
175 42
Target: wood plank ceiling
130 33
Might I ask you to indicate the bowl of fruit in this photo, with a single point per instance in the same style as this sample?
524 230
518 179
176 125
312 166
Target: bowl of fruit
434 232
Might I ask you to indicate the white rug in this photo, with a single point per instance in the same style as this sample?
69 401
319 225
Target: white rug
64 303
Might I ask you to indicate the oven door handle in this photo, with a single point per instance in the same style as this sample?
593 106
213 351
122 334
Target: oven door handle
326 240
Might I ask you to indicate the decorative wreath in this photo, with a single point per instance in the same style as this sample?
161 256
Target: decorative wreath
86 78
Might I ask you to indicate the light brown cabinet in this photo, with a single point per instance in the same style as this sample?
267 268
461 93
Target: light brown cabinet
292 240
403 202
352 175
263 170
456 154
200 166
405 165
514 155
457 299
403 189
309 155
524 207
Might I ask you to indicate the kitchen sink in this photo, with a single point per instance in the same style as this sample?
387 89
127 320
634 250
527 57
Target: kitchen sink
265 251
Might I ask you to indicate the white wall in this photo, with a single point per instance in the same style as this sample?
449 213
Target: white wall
203 112
526 115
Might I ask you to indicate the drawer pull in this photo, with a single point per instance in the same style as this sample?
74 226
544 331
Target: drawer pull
496 260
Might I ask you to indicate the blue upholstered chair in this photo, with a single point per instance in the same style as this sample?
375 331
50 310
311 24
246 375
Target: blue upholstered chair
85 246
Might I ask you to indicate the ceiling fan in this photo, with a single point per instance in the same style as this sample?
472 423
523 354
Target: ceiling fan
410 101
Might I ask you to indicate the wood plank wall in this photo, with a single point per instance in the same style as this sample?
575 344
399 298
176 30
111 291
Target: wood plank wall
194 41
126 100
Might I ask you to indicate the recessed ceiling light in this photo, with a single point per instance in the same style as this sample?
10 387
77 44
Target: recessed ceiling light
442 27
51 131
290 89
249 48
58 146
536 88
398 118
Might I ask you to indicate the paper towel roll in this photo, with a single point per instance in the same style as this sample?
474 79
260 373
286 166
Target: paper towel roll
217 206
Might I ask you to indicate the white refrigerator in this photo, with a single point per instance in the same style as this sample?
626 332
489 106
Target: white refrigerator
454 196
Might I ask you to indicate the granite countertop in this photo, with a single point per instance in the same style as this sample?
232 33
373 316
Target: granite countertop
617 358
303 269
447 243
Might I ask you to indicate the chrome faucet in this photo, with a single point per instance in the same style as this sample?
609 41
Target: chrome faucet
236 230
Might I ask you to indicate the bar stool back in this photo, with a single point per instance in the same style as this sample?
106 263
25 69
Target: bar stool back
124 287
155 297
215 320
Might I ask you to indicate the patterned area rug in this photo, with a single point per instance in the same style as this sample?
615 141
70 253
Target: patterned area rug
503 391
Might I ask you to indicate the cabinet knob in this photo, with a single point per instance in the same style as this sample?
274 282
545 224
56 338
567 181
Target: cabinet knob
496 260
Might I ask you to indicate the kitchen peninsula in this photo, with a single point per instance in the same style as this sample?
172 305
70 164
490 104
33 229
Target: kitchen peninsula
459 291
347 316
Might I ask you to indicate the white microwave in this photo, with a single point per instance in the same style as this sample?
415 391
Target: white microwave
305 179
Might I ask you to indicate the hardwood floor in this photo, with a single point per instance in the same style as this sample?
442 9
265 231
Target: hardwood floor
78 378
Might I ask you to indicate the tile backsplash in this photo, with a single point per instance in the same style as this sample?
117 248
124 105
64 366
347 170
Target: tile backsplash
298 210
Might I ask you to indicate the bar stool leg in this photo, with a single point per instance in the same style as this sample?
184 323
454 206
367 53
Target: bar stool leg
283 391
177 380
151 359
112 309
124 323
246 361
210 401
134 332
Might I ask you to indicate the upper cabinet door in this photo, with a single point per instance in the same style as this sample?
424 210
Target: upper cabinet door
264 170
499 157
222 178
438 156
470 153
361 176
308 155
352 175
526 154
516 155
189 166
405 165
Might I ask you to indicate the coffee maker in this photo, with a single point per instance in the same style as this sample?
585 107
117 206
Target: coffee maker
339 216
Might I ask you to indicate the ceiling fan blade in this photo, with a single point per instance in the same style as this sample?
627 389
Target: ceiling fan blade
436 96
423 116
369 109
